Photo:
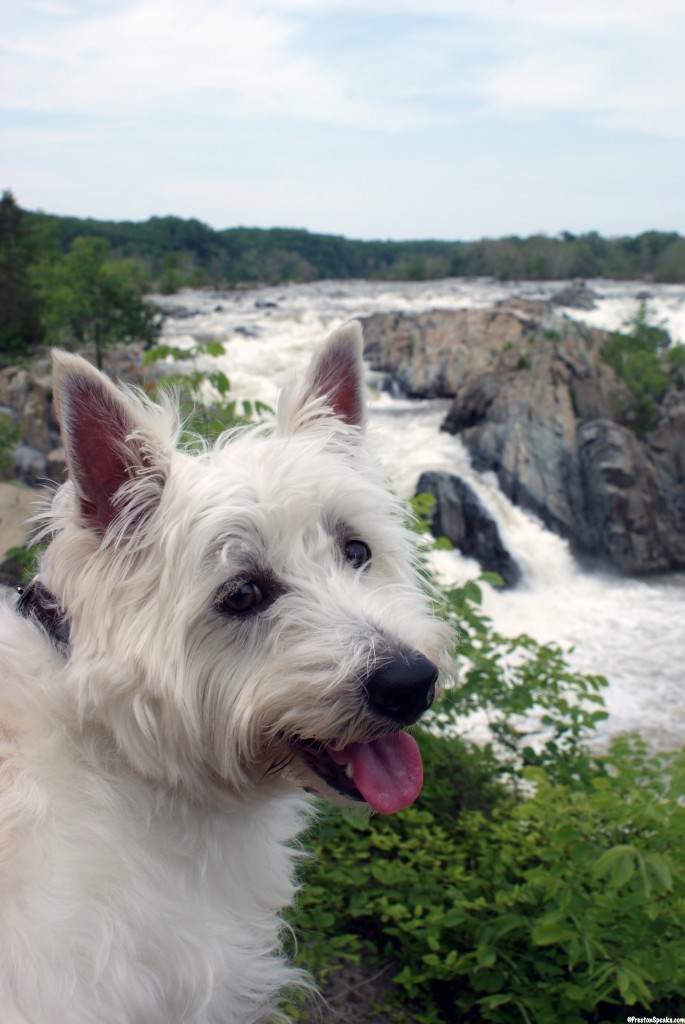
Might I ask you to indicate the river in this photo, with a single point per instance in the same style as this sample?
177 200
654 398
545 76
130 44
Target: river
630 630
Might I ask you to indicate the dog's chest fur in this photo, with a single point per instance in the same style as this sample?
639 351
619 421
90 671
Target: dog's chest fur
122 891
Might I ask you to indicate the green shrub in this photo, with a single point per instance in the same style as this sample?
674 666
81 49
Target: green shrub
533 880
9 435
204 416
636 356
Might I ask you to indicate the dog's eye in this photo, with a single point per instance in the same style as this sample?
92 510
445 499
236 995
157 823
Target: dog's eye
357 553
245 598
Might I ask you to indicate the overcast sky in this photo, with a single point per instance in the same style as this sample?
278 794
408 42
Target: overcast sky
372 119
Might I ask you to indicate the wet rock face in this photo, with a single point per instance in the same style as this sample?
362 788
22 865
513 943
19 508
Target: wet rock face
635 513
534 402
518 418
459 516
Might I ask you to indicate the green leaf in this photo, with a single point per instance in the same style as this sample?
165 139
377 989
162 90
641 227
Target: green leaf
661 868
443 544
486 957
214 348
492 578
607 863
492 1002
624 984
623 870
551 930
220 381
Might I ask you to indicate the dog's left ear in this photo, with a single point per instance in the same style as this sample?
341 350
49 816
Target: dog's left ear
110 442
333 385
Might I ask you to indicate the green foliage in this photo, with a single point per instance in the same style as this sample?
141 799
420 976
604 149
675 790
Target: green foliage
539 711
9 435
20 326
637 357
533 881
26 560
89 299
204 394
675 365
186 253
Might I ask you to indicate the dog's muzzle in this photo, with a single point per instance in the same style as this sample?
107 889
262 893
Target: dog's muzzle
386 772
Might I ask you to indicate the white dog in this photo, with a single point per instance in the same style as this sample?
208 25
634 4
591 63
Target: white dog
211 638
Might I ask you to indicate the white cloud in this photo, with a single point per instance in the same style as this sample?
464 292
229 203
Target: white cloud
620 58
152 57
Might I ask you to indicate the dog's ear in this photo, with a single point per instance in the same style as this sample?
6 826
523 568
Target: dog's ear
333 385
109 442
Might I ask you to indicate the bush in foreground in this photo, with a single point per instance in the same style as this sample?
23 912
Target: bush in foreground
533 881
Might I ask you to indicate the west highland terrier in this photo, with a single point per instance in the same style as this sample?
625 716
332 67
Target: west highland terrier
211 639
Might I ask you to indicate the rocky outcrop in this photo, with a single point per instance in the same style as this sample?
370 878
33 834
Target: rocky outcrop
519 418
430 355
459 516
537 405
634 511
26 402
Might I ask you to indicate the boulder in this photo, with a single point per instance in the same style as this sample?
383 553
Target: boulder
26 400
534 402
575 295
430 355
549 430
459 516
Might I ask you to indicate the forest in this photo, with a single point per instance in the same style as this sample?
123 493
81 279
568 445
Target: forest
179 253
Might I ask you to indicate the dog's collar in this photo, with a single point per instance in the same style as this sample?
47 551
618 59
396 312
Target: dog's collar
37 603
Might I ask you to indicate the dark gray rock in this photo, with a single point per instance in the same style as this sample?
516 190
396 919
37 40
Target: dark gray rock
518 418
459 515
534 402
548 429
177 312
631 517
575 295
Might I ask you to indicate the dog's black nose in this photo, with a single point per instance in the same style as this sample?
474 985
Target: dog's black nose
403 687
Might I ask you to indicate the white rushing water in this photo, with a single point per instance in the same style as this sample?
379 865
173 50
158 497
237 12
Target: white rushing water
632 631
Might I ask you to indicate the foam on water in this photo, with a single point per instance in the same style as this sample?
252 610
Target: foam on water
629 630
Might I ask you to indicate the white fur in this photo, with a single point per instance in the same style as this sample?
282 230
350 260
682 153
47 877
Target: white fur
149 792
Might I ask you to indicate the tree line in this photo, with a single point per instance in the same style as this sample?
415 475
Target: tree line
59 275
176 252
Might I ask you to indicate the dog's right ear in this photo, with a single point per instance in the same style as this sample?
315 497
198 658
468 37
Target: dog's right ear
109 443
332 388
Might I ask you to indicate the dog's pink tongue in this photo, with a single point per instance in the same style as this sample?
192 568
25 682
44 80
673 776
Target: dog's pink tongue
388 772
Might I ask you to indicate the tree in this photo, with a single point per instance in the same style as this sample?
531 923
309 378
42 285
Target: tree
20 324
91 300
